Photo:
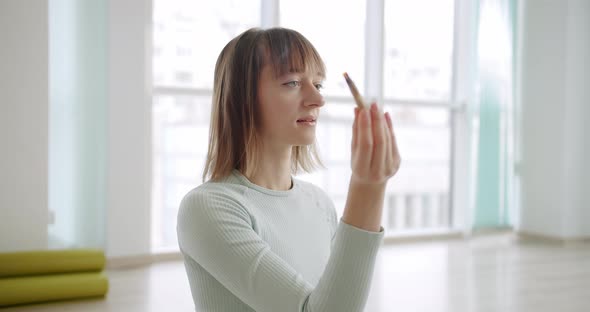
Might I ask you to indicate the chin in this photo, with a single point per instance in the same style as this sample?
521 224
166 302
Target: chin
304 142
302 138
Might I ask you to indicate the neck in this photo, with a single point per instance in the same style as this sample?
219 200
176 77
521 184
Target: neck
274 170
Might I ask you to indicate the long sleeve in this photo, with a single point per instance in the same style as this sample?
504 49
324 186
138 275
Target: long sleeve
216 231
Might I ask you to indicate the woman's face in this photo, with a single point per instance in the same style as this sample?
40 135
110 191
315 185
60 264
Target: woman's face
290 106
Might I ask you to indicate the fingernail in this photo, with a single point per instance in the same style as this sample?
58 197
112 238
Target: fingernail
374 107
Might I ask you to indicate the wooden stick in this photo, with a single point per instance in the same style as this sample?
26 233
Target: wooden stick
355 92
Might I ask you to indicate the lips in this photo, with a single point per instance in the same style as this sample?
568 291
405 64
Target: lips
307 119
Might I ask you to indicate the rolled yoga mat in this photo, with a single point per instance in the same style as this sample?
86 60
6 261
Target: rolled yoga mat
33 289
51 262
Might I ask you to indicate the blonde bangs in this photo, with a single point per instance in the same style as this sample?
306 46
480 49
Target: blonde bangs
290 52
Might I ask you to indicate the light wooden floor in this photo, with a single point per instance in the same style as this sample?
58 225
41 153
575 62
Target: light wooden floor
490 273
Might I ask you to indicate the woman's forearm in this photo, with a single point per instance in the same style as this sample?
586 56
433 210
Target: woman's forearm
364 205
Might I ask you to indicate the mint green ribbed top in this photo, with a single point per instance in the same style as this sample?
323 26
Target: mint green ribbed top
248 248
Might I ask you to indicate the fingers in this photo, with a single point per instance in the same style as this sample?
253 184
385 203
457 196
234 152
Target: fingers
380 145
354 129
389 123
365 142
389 158
375 157
394 150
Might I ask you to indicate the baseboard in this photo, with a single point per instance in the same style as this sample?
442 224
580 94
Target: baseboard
543 238
141 260
491 231
422 237
447 234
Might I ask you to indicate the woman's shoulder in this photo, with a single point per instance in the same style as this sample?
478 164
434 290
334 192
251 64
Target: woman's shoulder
213 194
222 187
212 204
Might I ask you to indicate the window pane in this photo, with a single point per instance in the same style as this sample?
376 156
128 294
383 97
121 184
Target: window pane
339 40
180 140
189 35
418 195
418 49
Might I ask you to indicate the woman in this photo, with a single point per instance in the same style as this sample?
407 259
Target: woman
254 238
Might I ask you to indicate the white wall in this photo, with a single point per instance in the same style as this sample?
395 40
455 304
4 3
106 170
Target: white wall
577 221
23 125
554 102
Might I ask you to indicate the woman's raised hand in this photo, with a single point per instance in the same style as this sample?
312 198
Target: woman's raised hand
375 156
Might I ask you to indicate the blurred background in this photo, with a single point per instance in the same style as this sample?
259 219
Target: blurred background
104 113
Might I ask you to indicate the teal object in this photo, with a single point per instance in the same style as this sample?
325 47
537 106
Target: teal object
494 168
489 181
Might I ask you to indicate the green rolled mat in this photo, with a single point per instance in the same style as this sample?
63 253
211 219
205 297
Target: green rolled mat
51 262
33 289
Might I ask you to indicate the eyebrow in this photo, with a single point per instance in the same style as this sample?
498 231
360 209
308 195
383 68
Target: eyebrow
318 75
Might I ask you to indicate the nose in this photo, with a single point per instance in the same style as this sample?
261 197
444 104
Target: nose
313 97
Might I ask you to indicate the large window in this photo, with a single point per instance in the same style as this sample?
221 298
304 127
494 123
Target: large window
418 49
415 78
189 34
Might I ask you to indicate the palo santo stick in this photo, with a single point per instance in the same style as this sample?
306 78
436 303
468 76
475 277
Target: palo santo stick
355 92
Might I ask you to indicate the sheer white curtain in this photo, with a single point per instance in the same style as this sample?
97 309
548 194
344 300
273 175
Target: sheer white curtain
77 123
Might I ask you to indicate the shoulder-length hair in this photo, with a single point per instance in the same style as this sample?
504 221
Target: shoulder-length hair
234 135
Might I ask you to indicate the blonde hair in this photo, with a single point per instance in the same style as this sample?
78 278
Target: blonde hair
234 138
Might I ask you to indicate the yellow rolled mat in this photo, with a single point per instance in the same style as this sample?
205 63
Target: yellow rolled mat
51 261
32 289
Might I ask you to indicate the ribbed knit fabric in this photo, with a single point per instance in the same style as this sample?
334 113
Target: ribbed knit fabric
248 248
